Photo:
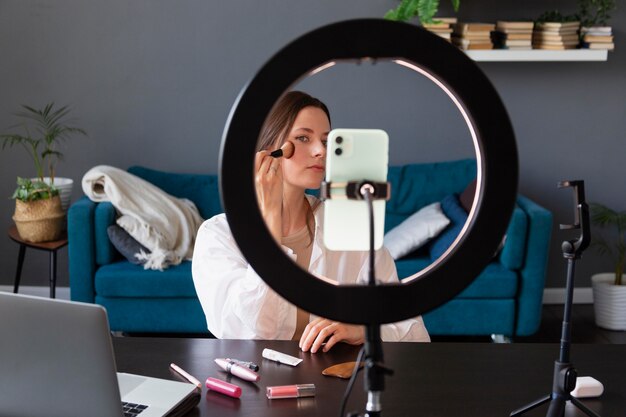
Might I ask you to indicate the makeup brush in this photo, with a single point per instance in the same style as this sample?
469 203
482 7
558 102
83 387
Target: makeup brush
286 151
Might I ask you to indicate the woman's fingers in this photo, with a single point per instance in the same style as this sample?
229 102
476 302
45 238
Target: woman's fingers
323 333
311 331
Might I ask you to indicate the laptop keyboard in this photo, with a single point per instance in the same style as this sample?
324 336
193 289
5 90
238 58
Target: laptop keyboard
131 409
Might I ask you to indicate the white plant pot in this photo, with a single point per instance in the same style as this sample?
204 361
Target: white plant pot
64 185
609 301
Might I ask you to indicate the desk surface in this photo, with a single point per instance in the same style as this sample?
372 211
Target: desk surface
436 379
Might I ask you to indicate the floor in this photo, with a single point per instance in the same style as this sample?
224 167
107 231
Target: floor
584 329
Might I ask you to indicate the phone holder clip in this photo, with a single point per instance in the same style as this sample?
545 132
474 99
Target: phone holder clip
355 190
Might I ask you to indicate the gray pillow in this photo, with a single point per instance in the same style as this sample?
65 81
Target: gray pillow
125 244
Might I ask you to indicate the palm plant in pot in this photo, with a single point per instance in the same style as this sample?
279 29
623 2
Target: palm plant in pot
609 289
38 213
43 129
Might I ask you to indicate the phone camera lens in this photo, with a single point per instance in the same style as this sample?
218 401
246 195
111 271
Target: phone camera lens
338 151
339 140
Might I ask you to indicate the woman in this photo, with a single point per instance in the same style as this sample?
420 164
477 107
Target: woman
236 301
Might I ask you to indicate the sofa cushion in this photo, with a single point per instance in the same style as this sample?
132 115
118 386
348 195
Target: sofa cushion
414 186
406 267
415 231
202 189
496 281
123 279
457 215
126 244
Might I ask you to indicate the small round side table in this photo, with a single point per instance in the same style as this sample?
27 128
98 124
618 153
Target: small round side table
51 247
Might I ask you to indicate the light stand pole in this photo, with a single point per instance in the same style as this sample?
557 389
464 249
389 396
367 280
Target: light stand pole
564 376
375 371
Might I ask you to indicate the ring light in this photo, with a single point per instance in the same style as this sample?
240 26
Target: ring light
487 120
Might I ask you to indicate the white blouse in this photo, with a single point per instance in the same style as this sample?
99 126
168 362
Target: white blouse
238 304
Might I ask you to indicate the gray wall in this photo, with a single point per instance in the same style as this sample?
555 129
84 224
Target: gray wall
153 81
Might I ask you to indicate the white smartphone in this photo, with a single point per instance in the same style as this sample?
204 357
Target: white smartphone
354 155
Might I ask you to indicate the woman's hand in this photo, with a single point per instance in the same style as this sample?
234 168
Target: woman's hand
317 331
268 179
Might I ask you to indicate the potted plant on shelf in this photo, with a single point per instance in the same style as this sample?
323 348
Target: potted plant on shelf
423 9
595 12
609 289
44 130
38 213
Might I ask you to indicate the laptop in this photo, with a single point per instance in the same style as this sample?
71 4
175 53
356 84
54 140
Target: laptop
57 360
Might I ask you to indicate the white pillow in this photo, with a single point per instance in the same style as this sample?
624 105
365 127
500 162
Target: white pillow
415 231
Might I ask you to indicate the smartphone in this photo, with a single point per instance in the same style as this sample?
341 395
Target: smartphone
354 155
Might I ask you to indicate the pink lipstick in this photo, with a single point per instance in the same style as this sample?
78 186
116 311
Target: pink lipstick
223 387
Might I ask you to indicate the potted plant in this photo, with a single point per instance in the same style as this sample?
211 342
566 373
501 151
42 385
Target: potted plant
609 289
38 213
424 9
44 129
595 12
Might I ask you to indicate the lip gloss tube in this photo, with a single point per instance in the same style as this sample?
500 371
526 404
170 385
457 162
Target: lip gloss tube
290 391
223 387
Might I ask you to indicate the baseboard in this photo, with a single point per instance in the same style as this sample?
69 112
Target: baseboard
62 293
582 295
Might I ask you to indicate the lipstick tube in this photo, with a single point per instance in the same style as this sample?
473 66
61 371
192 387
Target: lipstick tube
290 391
223 387
239 371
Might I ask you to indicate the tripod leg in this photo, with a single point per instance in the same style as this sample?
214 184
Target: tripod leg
584 408
530 406
557 407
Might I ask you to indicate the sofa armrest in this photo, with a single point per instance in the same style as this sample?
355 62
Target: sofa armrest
533 271
81 250
104 216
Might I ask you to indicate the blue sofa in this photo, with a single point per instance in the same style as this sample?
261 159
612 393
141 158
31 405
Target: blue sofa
505 299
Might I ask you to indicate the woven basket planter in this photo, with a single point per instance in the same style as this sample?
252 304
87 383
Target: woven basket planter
40 220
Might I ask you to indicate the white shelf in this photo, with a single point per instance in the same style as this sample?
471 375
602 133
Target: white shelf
502 55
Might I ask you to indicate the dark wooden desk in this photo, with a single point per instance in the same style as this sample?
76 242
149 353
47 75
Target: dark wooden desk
437 379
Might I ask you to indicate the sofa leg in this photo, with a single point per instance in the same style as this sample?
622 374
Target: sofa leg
500 338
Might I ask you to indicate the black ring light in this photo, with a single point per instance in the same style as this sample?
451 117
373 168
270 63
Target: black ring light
494 139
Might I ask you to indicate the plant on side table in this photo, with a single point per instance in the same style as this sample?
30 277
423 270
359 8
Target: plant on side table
44 129
38 213
609 289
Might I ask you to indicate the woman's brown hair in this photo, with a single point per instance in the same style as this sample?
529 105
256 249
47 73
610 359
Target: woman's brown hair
282 116
279 123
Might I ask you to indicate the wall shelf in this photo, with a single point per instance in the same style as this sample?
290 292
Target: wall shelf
503 55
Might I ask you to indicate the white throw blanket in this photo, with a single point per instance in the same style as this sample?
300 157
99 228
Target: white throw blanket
164 224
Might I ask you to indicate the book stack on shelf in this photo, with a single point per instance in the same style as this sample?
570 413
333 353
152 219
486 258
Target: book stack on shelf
513 35
597 37
441 26
473 35
556 35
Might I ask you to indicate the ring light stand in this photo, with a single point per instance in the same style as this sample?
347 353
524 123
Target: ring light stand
375 371
478 102
564 375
